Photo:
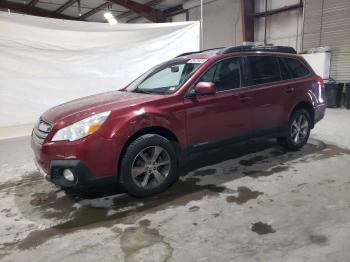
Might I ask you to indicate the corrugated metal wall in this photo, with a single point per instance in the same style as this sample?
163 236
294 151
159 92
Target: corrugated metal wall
327 23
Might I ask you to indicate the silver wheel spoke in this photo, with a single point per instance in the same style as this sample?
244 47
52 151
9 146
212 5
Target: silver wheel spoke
296 138
136 171
300 119
158 176
145 180
163 163
143 157
295 125
304 125
294 132
303 133
156 152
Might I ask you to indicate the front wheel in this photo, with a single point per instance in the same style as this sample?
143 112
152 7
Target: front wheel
298 132
148 166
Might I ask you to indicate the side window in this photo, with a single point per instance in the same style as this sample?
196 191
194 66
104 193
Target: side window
264 69
225 74
284 70
296 68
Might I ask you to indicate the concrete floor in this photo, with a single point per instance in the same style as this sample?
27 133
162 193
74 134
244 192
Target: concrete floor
248 202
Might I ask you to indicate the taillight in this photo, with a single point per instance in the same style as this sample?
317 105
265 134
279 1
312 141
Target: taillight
321 90
320 81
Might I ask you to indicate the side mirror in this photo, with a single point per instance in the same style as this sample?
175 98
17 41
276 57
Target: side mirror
205 88
174 69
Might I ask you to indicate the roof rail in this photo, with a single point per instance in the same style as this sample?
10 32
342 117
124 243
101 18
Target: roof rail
269 48
202 51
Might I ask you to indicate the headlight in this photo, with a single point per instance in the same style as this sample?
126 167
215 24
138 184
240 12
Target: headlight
82 128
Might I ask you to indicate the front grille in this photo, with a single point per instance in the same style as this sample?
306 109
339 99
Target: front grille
41 130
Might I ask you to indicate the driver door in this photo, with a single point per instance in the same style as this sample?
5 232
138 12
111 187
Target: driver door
225 115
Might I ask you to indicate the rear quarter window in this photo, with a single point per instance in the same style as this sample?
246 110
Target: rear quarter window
296 68
264 69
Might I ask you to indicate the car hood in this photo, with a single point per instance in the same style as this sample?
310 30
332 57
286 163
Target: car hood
73 111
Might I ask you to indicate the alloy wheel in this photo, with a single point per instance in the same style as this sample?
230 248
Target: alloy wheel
299 129
150 167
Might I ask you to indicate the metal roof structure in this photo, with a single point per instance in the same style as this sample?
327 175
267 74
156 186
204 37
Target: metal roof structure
93 10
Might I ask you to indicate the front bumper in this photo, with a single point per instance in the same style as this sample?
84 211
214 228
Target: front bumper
93 160
83 177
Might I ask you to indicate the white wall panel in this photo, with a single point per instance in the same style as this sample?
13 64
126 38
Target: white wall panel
327 23
283 28
45 62
222 23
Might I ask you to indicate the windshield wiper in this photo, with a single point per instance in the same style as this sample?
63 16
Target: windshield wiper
142 91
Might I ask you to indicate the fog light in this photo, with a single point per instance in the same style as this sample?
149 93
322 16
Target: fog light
67 174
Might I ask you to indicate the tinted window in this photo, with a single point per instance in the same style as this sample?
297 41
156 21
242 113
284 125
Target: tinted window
296 68
284 70
225 74
264 69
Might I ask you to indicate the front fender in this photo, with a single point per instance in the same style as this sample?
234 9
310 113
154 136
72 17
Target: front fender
124 125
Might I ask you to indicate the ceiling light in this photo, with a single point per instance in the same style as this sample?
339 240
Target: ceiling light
112 21
108 15
110 18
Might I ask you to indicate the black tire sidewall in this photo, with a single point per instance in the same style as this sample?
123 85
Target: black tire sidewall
132 150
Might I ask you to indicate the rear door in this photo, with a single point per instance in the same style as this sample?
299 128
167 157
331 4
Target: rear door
224 115
270 92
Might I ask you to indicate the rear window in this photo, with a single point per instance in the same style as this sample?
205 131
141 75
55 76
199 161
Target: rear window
264 69
296 68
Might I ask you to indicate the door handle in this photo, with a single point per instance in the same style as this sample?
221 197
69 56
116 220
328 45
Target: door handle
290 89
245 98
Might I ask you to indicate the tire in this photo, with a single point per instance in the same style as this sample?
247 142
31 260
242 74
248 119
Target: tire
299 125
149 166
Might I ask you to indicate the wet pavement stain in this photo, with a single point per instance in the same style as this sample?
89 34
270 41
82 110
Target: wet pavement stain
193 208
124 209
252 161
121 208
261 173
330 151
138 242
205 172
262 228
278 152
318 239
244 195
302 184
25 181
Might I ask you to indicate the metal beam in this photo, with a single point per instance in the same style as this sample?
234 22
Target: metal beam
146 11
127 14
178 9
94 11
33 3
65 6
279 10
26 9
247 15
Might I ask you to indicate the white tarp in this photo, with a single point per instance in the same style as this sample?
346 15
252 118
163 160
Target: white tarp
44 62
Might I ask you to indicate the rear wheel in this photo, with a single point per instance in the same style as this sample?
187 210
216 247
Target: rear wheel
148 166
298 132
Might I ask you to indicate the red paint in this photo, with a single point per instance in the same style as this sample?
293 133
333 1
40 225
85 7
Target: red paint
193 120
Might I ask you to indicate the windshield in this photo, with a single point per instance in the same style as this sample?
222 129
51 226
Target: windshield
165 78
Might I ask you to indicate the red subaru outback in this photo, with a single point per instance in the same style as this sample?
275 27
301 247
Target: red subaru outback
139 135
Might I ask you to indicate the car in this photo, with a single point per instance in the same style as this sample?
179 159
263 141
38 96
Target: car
139 136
